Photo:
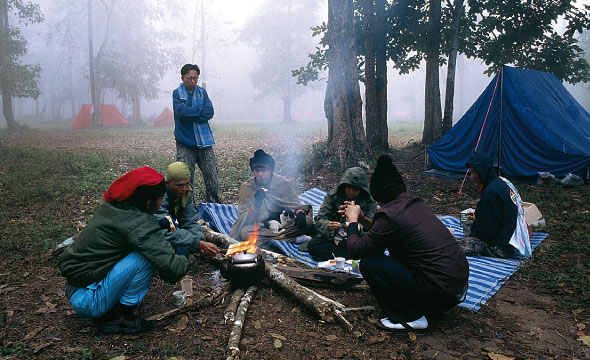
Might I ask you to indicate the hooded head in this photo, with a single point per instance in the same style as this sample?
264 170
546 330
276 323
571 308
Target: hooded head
145 186
482 165
354 178
386 183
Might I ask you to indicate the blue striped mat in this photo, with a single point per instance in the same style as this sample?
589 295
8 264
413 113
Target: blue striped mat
486 275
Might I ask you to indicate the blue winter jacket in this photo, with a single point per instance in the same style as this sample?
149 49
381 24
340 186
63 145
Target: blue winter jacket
191 121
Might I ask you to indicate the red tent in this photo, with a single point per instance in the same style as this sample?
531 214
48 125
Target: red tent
109 116
83 119
166 118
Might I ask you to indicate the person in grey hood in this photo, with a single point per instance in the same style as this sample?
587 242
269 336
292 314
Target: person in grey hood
494 220
330 222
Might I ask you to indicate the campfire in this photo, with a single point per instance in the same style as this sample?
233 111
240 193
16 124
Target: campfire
248 246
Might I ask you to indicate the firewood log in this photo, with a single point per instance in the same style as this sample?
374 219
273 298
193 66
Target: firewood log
230 311
233 344
221 240
327 309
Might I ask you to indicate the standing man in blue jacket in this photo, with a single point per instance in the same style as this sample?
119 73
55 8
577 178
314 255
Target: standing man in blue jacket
194 139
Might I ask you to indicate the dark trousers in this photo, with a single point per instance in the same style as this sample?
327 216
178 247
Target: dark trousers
397 291
322 249
207 162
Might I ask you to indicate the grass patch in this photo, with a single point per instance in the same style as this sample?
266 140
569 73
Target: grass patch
568 251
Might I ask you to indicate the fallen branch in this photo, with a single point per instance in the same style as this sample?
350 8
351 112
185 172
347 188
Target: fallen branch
221 240
327 309
208 299
230 311
233 345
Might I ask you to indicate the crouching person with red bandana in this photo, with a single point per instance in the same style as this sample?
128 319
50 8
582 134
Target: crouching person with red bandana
110 267
425 271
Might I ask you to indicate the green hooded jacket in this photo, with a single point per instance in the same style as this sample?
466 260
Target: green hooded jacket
115 230
354 176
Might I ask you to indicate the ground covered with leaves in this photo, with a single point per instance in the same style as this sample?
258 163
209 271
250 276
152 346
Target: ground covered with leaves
51 180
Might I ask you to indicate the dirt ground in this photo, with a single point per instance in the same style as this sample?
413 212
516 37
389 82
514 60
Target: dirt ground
524 320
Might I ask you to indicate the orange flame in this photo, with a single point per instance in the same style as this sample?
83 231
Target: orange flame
249 245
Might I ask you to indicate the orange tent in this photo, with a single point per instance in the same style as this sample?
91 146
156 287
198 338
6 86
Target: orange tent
166 118
109 116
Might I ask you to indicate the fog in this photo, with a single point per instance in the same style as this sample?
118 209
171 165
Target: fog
227 51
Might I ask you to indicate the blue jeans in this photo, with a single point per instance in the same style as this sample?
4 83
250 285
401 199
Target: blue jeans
127 282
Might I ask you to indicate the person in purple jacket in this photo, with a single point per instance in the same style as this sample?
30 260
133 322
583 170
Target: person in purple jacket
194 139
426 271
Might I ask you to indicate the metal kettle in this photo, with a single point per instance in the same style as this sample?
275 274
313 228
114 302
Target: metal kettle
243 269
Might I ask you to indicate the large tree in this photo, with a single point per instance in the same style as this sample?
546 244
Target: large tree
16 79
375 77
432 112
343 101
280 34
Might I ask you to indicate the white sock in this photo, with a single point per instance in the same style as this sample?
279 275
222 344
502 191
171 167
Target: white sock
419 324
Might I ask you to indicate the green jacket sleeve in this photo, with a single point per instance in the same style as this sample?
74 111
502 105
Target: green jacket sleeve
328 211
149 241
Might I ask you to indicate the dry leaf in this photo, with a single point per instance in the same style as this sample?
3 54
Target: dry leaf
34 333
3 286
375 340
331 337
207 338
585 340
180 325
412 336
277 343
277 336
499 357
357 333
581 326
26 274
122 357
257 324
40 347
43 297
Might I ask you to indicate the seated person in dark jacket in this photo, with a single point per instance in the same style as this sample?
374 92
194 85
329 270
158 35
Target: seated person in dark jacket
330 222
495 217
262 200
110 267
178 207
425 271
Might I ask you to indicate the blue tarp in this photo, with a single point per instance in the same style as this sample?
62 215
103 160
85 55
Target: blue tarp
534 124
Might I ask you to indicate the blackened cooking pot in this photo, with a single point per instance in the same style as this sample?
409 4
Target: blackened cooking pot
243 269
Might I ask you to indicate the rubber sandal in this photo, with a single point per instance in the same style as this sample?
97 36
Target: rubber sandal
407 328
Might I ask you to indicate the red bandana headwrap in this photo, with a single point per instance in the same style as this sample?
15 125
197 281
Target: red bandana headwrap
122 188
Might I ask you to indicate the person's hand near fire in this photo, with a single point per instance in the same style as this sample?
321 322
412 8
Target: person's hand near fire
208 249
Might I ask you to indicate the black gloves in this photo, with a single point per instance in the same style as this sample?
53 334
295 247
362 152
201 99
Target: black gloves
258 198
301 219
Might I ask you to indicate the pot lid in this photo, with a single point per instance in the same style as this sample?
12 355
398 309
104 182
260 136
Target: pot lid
241 258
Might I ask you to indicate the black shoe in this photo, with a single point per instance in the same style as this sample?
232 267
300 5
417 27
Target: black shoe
126 325
122 320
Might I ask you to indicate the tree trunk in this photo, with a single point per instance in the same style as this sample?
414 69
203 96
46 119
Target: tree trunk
349 142
329 110
136 109
447 122
432 111
381 74
371 102
4 88
203 74
93 95
7 111
287 109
